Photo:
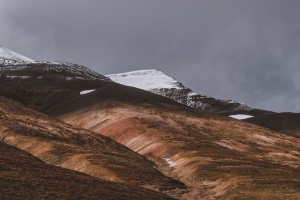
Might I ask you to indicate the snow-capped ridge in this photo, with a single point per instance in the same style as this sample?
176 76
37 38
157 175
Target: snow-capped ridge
14 65
146 79
68 70
159 83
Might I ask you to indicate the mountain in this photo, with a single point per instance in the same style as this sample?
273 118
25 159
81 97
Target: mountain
213 155
159 83
139 142
8 56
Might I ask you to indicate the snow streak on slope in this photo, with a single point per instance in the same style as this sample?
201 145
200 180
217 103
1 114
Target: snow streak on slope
9 56
146 79
86 91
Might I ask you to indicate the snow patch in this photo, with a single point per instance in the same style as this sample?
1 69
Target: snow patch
171 163
86 91
240 116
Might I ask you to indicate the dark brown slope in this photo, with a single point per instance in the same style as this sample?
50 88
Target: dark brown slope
42 93
22 176
287 123
111 92
60 144
215 156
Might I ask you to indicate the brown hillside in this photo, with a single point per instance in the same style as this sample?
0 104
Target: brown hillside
217 157
22 176
60 144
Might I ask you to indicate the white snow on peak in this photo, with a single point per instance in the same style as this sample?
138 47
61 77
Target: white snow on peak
9 56
159 83
240 116
86 91
145 79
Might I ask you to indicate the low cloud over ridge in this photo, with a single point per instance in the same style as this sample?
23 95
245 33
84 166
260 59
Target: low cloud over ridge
242 50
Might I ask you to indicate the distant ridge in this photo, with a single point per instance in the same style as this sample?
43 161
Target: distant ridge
14 65
159 83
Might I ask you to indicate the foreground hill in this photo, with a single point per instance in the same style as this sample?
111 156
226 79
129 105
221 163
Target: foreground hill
23 176
159 83
59 144
287 123
215 156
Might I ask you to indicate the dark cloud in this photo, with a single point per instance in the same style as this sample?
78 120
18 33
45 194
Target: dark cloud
231 49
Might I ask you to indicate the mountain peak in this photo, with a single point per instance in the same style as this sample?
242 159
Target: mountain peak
146 79
9 56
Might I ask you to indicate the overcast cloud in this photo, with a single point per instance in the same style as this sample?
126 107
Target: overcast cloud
244 50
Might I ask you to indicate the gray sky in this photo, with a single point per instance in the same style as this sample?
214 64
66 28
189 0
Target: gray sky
244 50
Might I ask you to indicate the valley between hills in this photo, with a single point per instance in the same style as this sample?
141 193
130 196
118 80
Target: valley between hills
122 142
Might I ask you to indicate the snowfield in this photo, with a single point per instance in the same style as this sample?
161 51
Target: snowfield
240 116
145 79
